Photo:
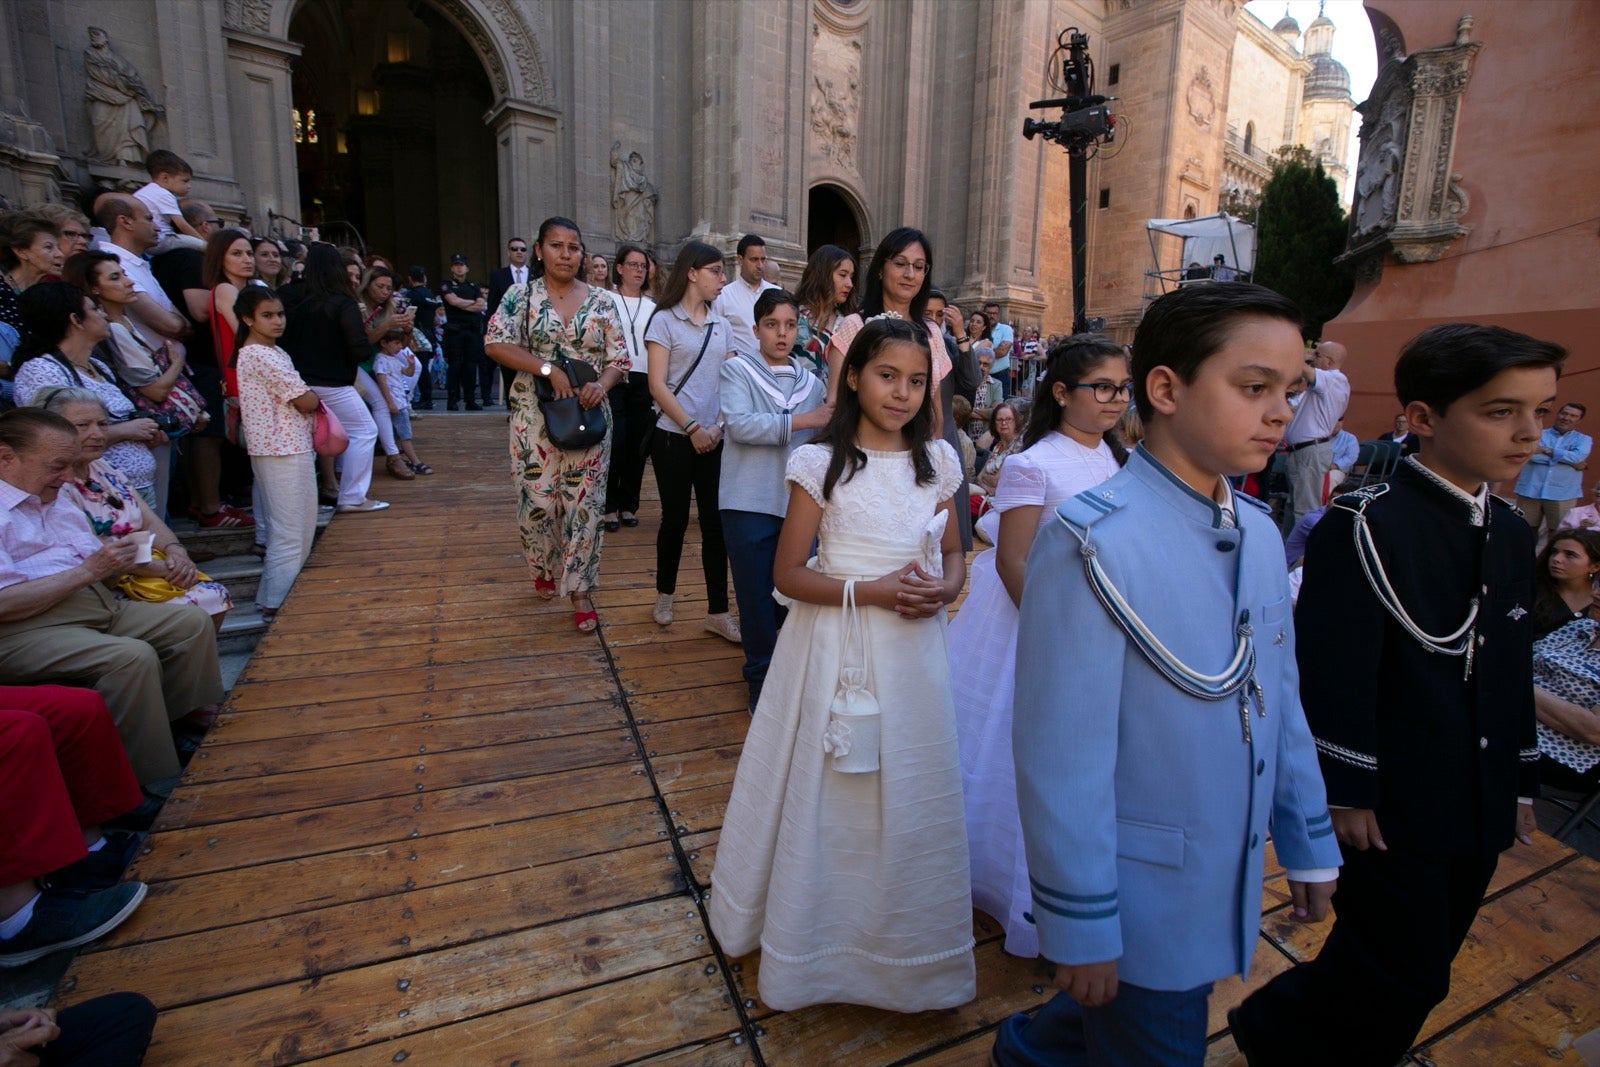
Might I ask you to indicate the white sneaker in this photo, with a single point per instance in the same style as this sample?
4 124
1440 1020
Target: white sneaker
663 612
725 626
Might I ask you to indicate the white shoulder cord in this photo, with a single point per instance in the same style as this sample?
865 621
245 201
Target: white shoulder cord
1458 643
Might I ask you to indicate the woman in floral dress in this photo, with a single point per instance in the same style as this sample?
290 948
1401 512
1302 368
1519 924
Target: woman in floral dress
561 494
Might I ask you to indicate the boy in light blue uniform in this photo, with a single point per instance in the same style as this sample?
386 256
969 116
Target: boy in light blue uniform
1158 731
771 405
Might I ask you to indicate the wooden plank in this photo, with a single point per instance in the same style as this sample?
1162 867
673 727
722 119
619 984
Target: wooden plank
690 703
200 802
310 944
681 772
382 633
180 853
394 999
528 668
269 890
1537 1026
690 735
594 1027
239 723
1521 862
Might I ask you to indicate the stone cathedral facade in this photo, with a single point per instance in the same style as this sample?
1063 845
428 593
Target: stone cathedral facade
423 128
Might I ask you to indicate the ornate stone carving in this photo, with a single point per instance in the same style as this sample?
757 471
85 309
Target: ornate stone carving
512 33
1201 99
122 113
835 96
252 15
633 198
1408 201
524 48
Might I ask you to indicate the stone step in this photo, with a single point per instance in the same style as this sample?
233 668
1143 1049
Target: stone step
225 541
241 574
241 630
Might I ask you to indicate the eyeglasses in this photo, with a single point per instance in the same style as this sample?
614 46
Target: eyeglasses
1105 392
906 266
519 248
76 235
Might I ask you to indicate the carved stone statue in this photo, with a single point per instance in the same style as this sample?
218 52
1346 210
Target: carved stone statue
633 198
121 110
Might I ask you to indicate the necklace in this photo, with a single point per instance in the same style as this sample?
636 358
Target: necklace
633 318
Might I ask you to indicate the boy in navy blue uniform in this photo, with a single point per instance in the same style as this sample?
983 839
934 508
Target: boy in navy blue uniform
1424 720
1157 731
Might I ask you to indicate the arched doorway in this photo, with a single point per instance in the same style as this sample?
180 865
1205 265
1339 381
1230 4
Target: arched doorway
391 143
831 220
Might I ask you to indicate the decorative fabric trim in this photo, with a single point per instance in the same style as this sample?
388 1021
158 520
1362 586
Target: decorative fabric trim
1528 755
1070 898
851 950
1104 913
1359 760
1319 825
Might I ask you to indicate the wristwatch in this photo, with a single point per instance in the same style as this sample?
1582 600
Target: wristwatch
546 368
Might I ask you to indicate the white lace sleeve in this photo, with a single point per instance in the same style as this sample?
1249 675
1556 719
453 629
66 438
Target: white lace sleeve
946 469
1022 483
808 468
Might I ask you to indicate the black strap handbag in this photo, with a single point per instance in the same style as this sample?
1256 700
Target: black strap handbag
648 440
569 425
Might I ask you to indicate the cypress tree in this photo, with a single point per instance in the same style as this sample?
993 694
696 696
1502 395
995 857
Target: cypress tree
1300 229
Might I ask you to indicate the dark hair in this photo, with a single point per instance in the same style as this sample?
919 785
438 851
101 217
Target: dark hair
692 256
1444 363
217 245
616 265
1008 404
249 301
513 240
1574 404
396 334
815 290
1550 612
162 162
48 310
749 241
20 428
771 299
840 432
1068 362
325 274
19 229
417 274
988 327
894 242
111 209
1184 328
81 268
554 222
194 211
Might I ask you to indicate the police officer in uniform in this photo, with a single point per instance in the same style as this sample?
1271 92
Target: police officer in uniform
464 306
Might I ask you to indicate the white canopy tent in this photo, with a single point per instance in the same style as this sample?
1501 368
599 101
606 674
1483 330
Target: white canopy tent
1203 239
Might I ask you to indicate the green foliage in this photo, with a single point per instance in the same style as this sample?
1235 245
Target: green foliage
1300 229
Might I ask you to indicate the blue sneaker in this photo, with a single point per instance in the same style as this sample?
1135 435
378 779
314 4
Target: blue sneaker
98 870
64 920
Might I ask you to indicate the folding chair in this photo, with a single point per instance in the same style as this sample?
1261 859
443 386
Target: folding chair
1580 814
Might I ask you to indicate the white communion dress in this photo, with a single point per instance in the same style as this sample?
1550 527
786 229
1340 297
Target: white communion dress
854 885
983 664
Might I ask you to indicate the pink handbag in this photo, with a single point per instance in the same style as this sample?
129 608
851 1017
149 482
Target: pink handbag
327 436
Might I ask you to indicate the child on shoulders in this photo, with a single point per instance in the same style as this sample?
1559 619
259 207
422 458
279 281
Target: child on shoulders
842 854
170 177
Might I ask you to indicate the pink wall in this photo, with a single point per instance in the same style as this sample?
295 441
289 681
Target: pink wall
1528 155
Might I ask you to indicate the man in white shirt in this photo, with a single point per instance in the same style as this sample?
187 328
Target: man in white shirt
60 624
737 303
131 232
1309 438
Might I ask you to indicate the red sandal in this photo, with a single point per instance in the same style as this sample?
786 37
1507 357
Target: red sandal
545 588
585 621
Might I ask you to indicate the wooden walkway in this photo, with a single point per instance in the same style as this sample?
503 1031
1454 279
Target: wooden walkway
438 826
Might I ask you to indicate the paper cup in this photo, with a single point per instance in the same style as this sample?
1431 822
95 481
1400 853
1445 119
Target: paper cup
144 539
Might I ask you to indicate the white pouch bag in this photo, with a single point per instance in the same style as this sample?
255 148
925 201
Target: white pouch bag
854 729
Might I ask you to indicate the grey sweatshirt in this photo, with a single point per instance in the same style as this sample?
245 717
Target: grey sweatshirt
756 409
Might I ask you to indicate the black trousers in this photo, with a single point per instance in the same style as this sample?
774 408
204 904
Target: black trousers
632 423
680 470
109 1031
1385 965
463 352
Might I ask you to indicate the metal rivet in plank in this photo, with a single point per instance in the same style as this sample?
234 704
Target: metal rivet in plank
403 984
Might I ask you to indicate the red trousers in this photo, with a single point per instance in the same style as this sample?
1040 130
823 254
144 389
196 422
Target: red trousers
62 768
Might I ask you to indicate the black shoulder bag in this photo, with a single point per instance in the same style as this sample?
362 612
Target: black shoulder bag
655 409
567 423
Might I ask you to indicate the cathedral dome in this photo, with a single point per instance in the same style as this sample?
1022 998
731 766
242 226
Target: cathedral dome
1287 25
1328 79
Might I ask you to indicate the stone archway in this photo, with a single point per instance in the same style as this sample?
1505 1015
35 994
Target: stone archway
833 217
521 109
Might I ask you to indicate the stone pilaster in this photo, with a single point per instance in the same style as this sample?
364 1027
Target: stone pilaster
260 101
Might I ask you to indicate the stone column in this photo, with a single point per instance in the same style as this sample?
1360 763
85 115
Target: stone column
530 176
261 122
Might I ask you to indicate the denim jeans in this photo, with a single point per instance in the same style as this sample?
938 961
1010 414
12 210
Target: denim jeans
1140 1027
752 541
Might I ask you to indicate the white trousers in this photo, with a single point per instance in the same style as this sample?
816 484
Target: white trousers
288 493
355 471
367 386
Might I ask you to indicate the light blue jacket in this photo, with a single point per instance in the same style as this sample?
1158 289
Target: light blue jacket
757 411
1553 477
1144 812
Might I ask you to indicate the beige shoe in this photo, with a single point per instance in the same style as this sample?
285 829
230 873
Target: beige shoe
398 469
663 612
725 626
